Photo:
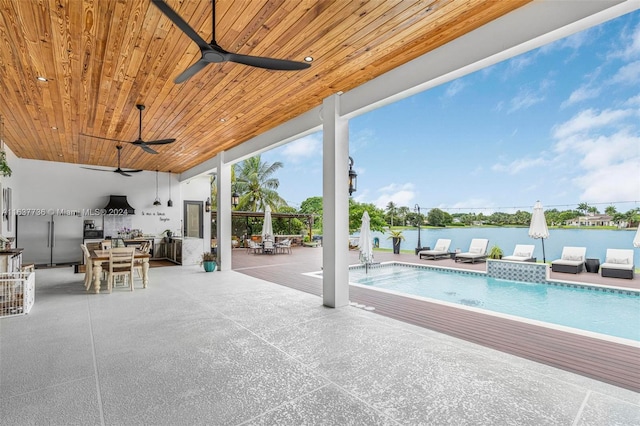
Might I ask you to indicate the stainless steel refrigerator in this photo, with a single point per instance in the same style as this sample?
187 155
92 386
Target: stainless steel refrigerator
50 240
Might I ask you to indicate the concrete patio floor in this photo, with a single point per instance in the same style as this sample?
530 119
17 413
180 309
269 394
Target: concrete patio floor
225 348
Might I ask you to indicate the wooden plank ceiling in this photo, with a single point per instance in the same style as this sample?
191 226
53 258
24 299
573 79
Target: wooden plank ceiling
102 57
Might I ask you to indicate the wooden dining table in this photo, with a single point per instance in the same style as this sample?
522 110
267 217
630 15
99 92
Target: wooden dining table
99 257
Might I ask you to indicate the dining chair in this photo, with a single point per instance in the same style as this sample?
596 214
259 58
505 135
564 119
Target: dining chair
88 267
120 265
105 245
145 247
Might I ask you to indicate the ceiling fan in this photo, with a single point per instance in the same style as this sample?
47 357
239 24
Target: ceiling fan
212 52
118 170
139 142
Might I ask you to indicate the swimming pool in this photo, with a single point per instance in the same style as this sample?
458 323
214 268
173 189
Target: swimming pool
599 310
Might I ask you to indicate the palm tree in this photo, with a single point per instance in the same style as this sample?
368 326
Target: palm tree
391 210
403 212
583 208
256 185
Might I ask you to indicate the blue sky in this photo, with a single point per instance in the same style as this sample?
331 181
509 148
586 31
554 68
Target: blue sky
559 124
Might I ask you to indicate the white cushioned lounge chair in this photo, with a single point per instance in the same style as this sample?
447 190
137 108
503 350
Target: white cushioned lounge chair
571 260
522 253
440 250
477 251
618 264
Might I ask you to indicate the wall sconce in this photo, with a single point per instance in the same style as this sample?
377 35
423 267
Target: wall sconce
207 205
235 199
353 176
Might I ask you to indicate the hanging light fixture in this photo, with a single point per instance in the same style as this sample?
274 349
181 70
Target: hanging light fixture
169 203
207 205
353 184
157 200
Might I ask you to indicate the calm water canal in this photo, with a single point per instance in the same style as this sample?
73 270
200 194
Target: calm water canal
596 241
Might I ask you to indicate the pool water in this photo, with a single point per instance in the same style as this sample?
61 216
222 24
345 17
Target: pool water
606 312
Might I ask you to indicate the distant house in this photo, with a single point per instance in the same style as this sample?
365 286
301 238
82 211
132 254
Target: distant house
593 220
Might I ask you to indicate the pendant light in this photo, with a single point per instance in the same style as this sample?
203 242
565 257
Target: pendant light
169 203
157 200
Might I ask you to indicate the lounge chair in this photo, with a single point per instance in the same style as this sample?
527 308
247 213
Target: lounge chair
441 250
618 264
522 253
571 261
477 251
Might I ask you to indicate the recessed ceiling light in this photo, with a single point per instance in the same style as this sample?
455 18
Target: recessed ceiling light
308 59
222 120
40 78
54 128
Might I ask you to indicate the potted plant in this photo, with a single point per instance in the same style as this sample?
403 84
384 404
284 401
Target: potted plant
167 234
396 237
495 252
208 260
5 170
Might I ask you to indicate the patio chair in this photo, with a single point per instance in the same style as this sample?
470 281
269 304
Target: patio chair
253 246
571 261
440 250
268 247
284 246
477 251
618 264
522 253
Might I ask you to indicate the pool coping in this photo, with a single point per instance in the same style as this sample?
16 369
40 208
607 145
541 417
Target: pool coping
573 284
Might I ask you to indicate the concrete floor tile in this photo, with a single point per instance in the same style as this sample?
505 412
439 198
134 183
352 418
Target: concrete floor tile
326 406
605 410
68 403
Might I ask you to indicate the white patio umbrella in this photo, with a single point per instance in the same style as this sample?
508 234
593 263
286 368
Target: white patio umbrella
267 226
538 227
636 239
365 243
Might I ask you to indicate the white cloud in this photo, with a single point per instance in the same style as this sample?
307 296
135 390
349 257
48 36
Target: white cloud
528 97
587 120
581 94
519 165
608 166
619 182
302 149
454 88
627 75
400 194
631 48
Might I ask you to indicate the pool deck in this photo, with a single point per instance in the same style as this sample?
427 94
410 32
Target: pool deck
609 361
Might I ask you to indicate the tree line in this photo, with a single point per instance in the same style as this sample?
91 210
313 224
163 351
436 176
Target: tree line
255 184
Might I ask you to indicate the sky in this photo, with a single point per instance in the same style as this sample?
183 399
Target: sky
559 124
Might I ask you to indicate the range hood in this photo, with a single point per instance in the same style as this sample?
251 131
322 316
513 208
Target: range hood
118 205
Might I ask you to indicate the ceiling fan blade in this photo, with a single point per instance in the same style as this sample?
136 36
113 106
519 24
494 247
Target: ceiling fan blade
122 172
157 142
146 148
100 137
180 23
93 168
191 71
268 63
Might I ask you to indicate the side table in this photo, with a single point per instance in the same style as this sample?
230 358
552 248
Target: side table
592 265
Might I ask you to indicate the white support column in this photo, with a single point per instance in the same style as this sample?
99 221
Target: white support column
223 202
335 195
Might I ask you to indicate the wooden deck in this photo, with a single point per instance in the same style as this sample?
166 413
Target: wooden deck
604 360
